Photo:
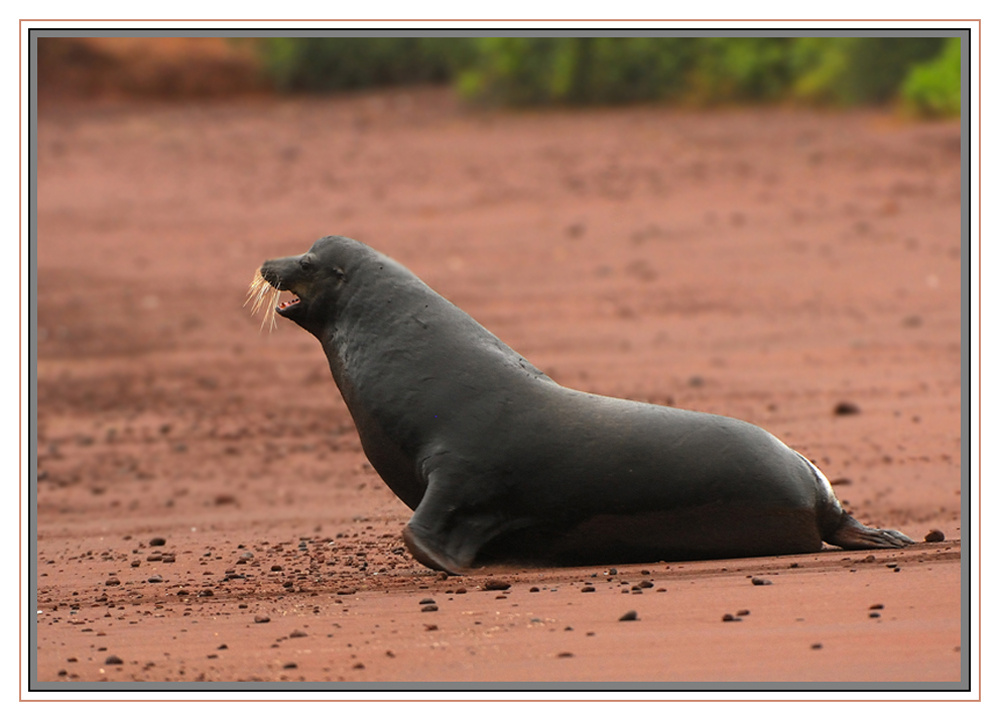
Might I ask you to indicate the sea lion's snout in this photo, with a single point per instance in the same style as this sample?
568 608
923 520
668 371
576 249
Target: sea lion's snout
271 278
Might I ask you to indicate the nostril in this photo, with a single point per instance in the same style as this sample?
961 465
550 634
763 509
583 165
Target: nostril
270 275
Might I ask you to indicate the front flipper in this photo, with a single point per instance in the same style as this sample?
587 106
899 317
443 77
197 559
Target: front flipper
455 519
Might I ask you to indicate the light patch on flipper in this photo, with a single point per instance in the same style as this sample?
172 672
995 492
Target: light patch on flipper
821 477
263 295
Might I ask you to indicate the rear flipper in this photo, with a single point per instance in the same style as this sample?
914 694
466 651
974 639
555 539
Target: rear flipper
855 536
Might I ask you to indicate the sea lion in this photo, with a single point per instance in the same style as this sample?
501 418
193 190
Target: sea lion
501 463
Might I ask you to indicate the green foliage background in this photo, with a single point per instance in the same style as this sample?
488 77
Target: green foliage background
922 73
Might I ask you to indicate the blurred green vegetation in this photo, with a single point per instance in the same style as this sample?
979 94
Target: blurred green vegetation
323 64
931 88
924 73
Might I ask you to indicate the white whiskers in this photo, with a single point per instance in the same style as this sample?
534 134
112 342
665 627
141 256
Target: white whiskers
263 295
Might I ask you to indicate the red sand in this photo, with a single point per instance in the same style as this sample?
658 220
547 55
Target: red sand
763 264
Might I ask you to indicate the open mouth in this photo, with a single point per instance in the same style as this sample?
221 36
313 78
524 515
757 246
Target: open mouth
284 305
264 296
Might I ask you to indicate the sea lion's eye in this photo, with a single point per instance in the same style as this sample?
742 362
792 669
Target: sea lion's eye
338 273
305 262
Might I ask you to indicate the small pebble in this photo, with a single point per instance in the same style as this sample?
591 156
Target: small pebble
935 536
113 660
876 607
730 617
585 589
743 612
261 619
290 665
846 408
430 627
874 614
425 601
428 608
533 589
760 581
816 646
629 616
564 654
297 634
495 586
155 579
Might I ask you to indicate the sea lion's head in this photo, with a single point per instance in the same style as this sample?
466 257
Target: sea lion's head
316 280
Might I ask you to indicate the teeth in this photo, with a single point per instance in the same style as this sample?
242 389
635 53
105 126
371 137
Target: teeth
262 295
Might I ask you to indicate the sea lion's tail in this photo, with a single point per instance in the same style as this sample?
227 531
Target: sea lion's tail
839 528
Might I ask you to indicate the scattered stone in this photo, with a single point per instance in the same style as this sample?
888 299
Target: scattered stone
425 601
564 654
223 647
816 646
428 608
876 607
874 614
112 582
760 581
358 665
113 660
297 634
588 589
935 536
743 612
155 579
841 482
290 665
629 616
430 627
496 586
846 408
158 541
727 617
533 589
276 567
261 619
